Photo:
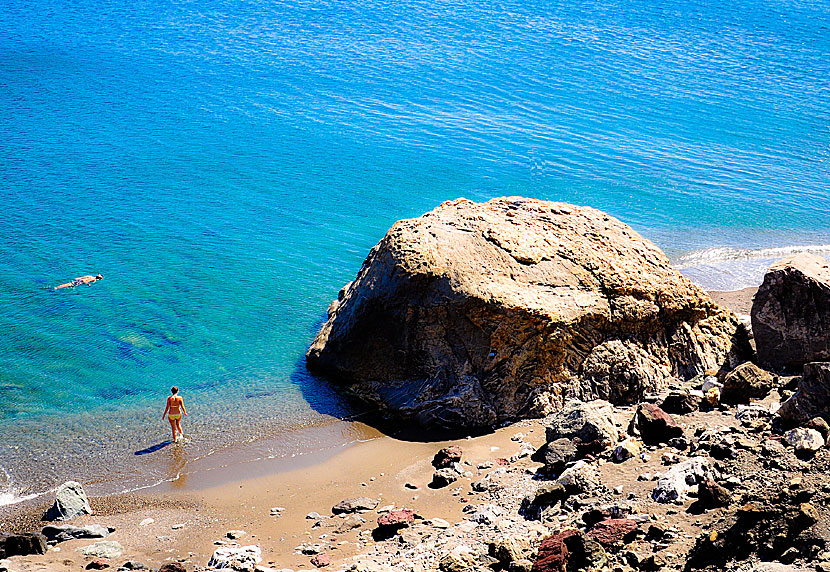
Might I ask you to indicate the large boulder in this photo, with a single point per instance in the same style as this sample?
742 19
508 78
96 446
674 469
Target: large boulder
70 501
791 313
745 382
590 424
478 313
812 399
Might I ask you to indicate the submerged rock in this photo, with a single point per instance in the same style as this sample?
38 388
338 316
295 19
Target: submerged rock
791 313
479 313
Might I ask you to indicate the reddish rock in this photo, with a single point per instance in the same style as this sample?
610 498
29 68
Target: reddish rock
447 456
553 553
613 530
655 425
321 561
97 565
397 518
502 462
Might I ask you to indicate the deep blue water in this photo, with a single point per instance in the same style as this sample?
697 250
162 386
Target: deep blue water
227 165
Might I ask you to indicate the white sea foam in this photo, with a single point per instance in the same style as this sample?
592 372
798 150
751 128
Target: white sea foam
729 269
10 494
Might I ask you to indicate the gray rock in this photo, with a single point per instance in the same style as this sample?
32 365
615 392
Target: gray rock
103 549
791 313
556 455
582 477
69 532
239 558
626 450
480 313
21 544
358 504
350 523
443 477
812 399
70 501
588 422
804 440
681 479
464 559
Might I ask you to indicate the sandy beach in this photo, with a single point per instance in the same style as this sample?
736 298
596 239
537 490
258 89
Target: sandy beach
187 519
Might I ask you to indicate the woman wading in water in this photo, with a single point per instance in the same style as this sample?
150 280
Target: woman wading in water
175 405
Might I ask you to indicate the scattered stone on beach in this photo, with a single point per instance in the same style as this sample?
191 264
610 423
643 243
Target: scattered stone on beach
391 522
569 550
653 425
21 544
556 455
510 548
580 478
627 449
235 534
682 478
745 382
480 313
97 565
791 313
443 477
590 424
146 522
133 565
69 532
462 558
545 496
70 502
173 567
804 441
447 457
613 531
102 549
711 495
682 401
321 560
350 523
239 558
315 516
812 399
352 505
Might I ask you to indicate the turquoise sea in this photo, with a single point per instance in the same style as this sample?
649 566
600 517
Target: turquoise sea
227 165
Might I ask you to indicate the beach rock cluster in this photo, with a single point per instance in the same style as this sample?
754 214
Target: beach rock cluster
480 313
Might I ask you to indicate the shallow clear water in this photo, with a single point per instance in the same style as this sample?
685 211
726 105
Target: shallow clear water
227 165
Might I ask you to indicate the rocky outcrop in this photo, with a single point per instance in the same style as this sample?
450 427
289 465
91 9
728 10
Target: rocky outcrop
21 544
791 313
478 313
812 399
70 501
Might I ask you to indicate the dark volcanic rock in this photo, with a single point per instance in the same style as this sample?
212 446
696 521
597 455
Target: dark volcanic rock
97 565
556 455
711 495
442 478
546 495
680 402
744 382
589 425
447 457
173 567
812 398
654 425
70 532
21 544
479 313
791 313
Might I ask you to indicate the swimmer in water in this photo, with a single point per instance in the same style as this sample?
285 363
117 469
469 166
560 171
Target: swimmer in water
175 405
89 279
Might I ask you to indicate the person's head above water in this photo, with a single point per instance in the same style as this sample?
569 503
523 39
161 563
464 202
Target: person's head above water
99 277
174 390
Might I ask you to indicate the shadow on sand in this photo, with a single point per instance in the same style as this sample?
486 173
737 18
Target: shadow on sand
154 448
